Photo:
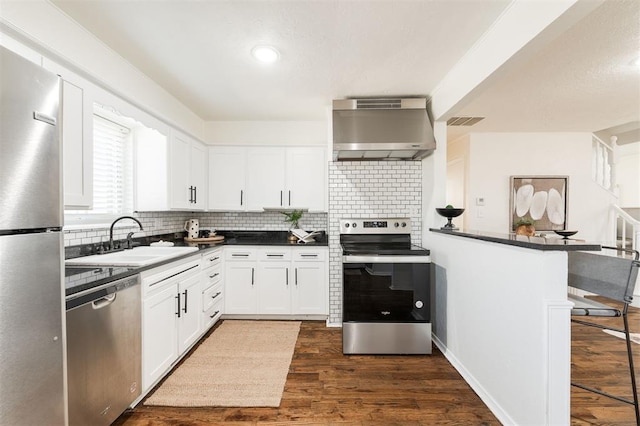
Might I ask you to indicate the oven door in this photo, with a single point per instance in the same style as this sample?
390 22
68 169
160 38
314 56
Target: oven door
386 289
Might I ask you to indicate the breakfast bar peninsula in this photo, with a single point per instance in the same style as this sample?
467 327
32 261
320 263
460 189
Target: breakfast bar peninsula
502 318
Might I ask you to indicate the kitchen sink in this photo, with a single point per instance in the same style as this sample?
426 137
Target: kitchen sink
139 256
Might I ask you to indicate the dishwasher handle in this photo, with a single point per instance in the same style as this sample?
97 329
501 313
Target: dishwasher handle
103 302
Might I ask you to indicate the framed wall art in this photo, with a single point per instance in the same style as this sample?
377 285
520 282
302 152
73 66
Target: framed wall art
544 199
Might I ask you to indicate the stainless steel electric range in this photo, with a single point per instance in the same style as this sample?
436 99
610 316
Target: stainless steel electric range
386 288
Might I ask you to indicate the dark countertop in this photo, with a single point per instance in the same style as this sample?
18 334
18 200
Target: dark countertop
82 278
536 243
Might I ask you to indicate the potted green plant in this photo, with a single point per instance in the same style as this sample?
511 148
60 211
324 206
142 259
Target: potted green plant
525 226
293 217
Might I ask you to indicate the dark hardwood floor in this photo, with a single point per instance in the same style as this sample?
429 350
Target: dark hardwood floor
326 387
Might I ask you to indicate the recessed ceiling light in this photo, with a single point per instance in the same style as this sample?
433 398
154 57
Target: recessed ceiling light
265 54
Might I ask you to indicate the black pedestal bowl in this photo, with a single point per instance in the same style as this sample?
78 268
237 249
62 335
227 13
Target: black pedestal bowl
449 214
566 234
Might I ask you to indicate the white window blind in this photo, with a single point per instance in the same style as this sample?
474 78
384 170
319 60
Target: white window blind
112 168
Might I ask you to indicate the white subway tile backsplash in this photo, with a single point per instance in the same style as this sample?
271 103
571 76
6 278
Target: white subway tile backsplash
369 189
156 223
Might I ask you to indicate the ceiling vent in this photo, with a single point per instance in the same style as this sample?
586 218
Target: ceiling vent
463 121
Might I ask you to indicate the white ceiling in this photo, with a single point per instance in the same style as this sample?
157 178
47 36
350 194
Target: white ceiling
199 51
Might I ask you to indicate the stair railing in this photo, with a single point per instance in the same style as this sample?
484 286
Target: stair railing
626 221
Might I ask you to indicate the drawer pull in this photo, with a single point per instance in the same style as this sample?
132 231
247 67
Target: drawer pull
214 314
214 275
275 255
216 295
240 255
213 259
309 255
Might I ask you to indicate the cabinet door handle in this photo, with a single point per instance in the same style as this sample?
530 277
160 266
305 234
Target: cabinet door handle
191 194
287 276
195 195
214 314
289 198
178 297
185 301
216 295
252 276
241 191
280 197
214 275
296 276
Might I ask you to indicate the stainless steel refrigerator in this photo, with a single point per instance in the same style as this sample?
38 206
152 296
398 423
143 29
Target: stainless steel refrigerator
32 385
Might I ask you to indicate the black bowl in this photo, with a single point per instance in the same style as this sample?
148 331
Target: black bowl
565 233
449 212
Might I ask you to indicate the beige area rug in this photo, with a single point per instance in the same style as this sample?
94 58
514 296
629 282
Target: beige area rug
241 364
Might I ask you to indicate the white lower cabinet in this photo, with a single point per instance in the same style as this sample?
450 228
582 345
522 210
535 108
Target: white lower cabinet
276 281
274 295
309 290
239 283
171 314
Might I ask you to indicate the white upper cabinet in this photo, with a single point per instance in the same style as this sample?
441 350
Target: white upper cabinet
227 176
77 137
171 173
255 178
265 178
306 178
188 160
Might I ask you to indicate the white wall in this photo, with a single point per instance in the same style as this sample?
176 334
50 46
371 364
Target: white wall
494 157
266 132
44 27
628 174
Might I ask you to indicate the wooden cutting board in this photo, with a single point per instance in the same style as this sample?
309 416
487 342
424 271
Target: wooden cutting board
214 239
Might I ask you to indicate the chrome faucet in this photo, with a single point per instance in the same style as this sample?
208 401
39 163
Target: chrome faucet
114 222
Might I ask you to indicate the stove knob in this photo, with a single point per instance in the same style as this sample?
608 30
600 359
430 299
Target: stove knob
354 225
404 225
396 224
419 304
346 225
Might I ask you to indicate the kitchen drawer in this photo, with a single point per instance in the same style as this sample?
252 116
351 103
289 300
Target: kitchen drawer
212 315
240 254
274 254
212 259
211 296
212 276
309 255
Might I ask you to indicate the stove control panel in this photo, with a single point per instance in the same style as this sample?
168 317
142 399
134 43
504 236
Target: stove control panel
376 226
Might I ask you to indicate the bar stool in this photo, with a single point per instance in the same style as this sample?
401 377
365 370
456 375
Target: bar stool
613 278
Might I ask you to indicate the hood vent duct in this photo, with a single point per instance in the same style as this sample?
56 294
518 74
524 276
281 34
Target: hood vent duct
381 129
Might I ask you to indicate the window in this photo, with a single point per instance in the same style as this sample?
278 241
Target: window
112 170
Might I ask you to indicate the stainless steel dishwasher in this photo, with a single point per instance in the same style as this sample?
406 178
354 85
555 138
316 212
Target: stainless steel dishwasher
103 351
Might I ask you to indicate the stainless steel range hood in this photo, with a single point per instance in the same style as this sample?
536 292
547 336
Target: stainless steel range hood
381 129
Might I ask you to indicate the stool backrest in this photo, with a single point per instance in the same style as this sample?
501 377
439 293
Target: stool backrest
608 276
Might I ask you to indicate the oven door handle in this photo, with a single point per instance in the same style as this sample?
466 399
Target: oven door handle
386 259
